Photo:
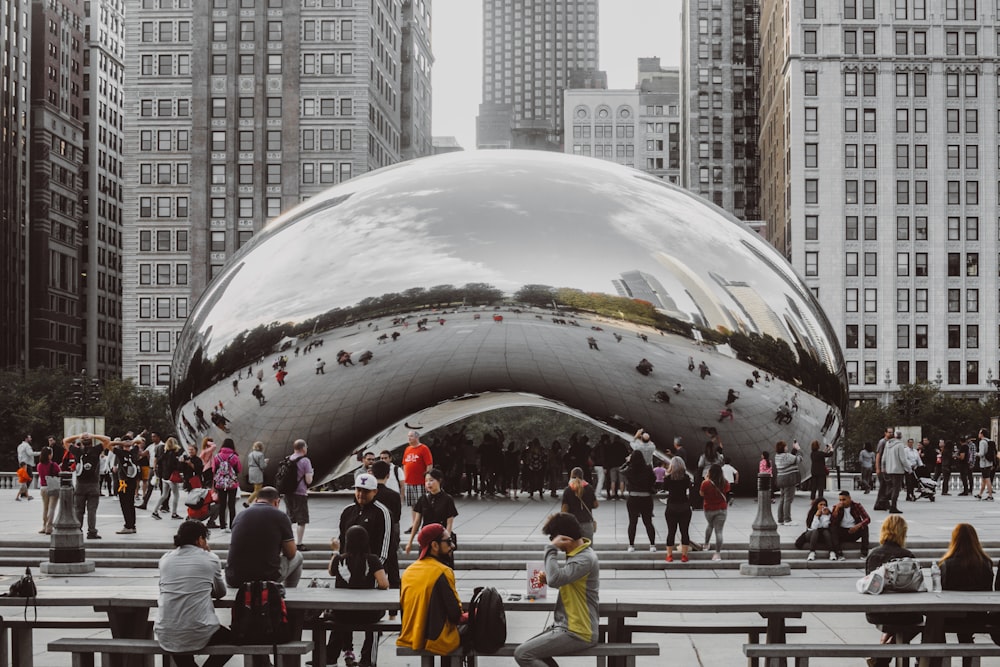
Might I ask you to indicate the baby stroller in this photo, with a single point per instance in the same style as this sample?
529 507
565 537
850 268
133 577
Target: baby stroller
923 487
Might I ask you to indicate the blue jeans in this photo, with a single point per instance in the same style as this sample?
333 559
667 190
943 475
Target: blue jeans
538 651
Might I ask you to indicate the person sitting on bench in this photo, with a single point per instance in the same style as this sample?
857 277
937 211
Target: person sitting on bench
190 576
575 619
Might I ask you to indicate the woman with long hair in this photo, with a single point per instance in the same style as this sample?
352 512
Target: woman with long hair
580 500
965 567
679 486
641 481
892 545
255 470
714 490
48 482
359 569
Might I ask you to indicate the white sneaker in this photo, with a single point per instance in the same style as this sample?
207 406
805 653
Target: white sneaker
631 548
833 555
652 548
791 523
811 556
716 556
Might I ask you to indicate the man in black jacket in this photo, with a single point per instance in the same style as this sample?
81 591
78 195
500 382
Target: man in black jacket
394 503
370 514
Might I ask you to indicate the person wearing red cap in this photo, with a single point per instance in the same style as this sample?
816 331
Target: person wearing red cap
432 610
575 620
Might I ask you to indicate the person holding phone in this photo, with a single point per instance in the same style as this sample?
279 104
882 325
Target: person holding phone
575 619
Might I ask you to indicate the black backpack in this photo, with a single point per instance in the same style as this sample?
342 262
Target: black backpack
487 621
260 616
991 452
287 478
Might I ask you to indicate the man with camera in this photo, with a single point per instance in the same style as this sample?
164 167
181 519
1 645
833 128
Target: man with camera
88 476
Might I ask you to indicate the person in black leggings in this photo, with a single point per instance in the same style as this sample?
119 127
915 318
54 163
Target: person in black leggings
678 485
641 481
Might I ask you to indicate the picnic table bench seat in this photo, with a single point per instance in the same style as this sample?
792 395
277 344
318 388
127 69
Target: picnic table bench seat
628 651
802 652
84 650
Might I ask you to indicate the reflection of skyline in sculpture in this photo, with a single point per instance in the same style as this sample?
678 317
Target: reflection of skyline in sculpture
640 285
506 260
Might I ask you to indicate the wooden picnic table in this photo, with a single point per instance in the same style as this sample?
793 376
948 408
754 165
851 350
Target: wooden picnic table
128 606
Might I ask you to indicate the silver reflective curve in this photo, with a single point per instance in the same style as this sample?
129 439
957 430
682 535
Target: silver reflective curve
556 280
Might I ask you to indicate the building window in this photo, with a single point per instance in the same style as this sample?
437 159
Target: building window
852 372
902 263
972 336
812 156
902 300
972 372
871 264
163 308
812 228
871 192
954 372
868 42
851 337
850 192
871 336
851 299
871 372
902 336
871 300
850 84
850 120
851 228
812 263
954 264
902 372
809 42
811 119
812 191
851 264
850 42
850 156
902 228
954 301
811 86
972 301
920 336
920 264
871 228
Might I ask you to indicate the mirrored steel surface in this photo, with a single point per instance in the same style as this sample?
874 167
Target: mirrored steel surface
547 275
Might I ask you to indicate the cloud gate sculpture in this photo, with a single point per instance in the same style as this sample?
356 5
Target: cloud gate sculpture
438 288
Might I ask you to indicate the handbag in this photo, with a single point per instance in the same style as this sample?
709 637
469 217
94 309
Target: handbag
25 588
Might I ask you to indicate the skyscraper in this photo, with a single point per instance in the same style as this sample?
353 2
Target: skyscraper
238 110
103 170
56 238
879 150
720 74
15 38
532 51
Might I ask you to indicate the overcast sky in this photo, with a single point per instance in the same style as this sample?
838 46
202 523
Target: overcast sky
630 29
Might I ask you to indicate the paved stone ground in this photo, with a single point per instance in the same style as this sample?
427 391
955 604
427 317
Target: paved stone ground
506 521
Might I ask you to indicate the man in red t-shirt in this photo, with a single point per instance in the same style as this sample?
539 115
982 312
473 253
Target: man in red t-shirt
417 461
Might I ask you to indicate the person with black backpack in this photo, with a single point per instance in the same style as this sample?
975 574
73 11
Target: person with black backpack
575 626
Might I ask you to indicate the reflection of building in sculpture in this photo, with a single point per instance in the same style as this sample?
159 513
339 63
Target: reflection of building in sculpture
641 285
712 313
235 115
759 316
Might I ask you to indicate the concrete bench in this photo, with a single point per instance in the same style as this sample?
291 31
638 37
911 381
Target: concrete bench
321 626
84 650
17 647
752 631
802 652
628 651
